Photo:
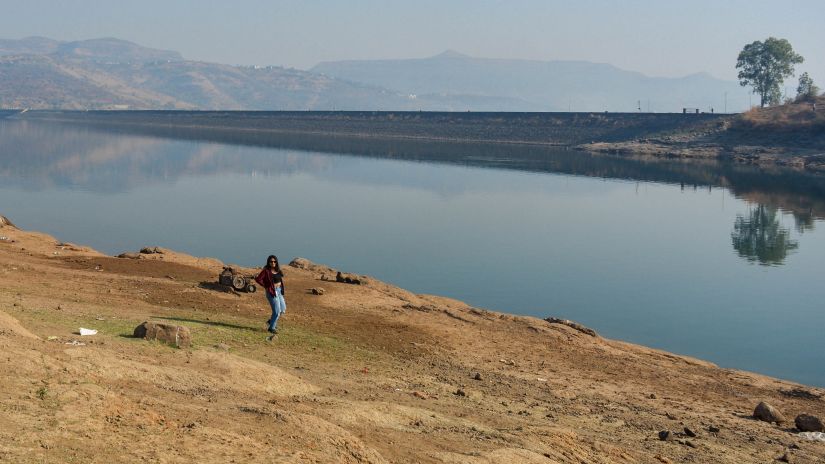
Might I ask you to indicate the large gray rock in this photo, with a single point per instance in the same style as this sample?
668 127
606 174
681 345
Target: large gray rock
302 263
151 250
175 335
768 413
809 423
130 255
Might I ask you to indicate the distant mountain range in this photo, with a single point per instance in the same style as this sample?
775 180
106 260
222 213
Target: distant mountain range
550 85
108 73
107 49
112 74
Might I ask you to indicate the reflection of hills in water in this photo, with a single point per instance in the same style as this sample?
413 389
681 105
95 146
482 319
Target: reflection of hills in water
37 156
49 154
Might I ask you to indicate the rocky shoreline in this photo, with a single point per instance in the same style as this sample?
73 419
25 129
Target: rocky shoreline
801 159
362 372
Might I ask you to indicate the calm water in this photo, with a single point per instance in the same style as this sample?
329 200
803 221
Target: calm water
720 262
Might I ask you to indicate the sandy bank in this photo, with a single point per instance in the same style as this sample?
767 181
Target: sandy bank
362 373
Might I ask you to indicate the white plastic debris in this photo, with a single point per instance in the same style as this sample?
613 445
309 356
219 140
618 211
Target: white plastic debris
84 332
813 436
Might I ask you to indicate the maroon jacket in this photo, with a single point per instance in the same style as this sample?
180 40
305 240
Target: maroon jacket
265 280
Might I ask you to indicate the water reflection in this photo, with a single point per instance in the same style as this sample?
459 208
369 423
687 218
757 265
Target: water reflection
54 154
37 156
117 158
804 221
760 237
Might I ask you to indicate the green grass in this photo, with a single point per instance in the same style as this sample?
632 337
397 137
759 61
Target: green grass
50 322
208 330
243 333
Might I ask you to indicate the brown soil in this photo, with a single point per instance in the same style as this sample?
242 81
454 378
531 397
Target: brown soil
362 373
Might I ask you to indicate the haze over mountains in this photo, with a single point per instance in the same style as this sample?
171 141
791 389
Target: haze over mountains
549 85
109 73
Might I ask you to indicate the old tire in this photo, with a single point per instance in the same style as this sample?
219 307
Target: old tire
238 282
250 288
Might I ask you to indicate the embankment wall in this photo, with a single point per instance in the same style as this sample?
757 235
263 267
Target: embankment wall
562 129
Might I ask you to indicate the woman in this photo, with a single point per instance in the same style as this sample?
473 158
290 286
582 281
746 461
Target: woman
272 280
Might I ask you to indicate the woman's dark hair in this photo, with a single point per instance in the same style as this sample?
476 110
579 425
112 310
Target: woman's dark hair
277 263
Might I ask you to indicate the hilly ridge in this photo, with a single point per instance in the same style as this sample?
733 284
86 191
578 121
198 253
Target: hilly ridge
109 73
41 73
551 85
102 49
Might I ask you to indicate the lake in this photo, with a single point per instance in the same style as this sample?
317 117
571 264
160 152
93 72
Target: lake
717 261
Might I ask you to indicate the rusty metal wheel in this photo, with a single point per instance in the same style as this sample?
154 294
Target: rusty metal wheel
238 282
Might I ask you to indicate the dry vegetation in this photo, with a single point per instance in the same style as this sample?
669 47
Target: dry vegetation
791 117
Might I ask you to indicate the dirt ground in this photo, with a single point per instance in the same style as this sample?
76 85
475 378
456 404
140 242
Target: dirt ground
362 373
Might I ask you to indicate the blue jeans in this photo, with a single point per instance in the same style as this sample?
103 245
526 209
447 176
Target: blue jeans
278 305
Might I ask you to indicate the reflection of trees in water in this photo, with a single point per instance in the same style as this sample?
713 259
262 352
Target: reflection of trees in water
760 237
804 222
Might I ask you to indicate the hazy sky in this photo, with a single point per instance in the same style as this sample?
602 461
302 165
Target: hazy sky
655 37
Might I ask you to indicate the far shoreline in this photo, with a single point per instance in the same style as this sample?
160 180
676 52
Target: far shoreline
686 137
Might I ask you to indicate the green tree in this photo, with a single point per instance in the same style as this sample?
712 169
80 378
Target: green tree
806 89
765 65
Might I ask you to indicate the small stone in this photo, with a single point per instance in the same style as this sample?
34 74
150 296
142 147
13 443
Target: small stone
222 346
477 376
317 291
808 423
665 435
713 429
690 432
652 396
460 392
784 458
421 395
689 443
767 413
